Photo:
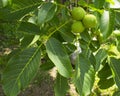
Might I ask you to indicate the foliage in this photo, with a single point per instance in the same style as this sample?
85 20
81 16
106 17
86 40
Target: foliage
41 29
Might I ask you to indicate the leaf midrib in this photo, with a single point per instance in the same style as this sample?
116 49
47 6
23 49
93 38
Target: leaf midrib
32 57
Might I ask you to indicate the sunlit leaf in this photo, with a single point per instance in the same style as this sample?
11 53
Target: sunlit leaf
84 76
4 3
58 55
115 65
100 56
107 23
46 12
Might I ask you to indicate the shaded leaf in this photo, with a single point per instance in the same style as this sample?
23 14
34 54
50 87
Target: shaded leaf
64 15
92 59
70 47
105 83
99 3
94 45
86 36
105 72
29 28
117 20
61 85
20 4
57 54
46 64
20 71
3 13
105 76
66 33
116 93
19 13
1 5
28 40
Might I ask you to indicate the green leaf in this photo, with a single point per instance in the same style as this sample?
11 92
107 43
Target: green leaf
105 76
105 83
84 46
64 14
110 1
86 36
107 23
66 34
46 12
115 65
113 51
99 3
82 2
117 20
29 28
20 71
28 40
3 13
61 85
116 93
84 75
100 57
1 5
92 59
18 13
70 47
94 45
118 46
47 66
89 55
19 4
4 3
105 72
56 52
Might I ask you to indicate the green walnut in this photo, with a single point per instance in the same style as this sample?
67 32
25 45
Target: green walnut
77 27
89 21
78 13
